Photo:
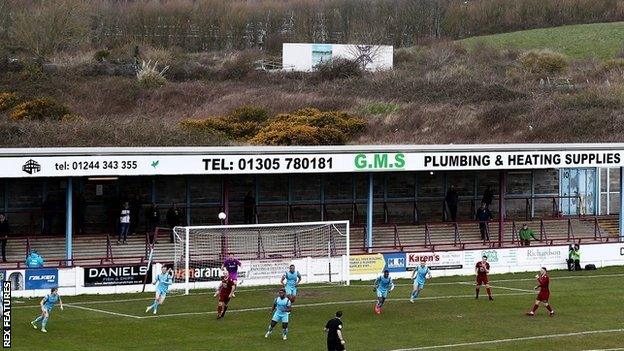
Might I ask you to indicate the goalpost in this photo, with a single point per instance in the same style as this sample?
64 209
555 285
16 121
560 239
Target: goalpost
319 250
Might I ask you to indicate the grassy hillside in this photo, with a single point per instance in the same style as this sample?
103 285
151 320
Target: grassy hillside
600 40
439 93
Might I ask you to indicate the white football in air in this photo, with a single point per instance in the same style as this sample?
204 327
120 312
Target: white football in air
222 215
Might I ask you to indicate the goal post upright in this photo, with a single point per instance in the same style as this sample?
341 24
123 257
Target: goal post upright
186 260
347 264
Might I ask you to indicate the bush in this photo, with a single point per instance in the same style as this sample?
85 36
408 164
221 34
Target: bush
39 110
379 108
310 127
338 68
612 65
303 127
284 133
149 76
241 124
238 68
101 55
72 118
8 101
249 114
544 62
594 98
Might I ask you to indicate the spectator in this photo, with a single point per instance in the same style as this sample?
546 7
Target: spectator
484 216
79 213
451 199
48 215
153 220
249 202
135 211
34 260
4 234
525 235
574 258
333 328
174 218
488 196
124 223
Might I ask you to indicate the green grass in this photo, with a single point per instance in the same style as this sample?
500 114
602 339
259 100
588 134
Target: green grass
601 40
447 313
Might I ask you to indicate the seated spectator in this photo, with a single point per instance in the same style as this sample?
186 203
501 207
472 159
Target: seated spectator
574 258
525 235
34 260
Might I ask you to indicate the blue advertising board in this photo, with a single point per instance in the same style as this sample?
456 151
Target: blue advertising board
41 278
395 262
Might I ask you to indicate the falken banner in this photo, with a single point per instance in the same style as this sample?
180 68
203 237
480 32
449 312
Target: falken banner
133 165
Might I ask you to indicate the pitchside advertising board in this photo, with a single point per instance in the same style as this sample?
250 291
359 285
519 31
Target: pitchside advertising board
114 165
41 278
116 275
501 260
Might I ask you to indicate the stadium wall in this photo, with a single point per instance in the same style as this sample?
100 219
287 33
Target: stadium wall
364 267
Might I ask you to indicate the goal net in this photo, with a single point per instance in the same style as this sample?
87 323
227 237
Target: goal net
319 251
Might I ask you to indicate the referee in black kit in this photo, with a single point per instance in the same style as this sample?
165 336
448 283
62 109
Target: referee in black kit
333 328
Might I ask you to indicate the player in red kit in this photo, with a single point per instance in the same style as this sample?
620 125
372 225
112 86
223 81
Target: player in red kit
543 293
482 269
225 292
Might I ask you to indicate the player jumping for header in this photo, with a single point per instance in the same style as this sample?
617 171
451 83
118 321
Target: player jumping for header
543 293
281 310
225 292
47 304
290 280
383 285
482 268
419 276
231 265
162 282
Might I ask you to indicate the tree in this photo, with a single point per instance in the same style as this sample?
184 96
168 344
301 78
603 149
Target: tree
43 27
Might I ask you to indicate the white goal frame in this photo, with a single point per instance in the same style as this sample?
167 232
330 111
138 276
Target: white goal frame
345 262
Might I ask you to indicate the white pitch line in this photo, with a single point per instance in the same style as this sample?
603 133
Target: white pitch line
618 349
499 341
507 288
330 303
102 311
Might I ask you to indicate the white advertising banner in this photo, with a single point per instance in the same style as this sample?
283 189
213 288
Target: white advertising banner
132 165
265 269
531 256
496 257
436 260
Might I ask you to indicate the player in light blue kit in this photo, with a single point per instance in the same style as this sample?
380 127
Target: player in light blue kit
281 310
419 276
292 279
47 303
162 282
383 285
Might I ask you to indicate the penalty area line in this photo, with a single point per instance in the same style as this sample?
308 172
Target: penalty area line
330 303
102 311
499 341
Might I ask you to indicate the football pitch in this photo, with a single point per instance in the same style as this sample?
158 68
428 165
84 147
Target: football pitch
588 307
